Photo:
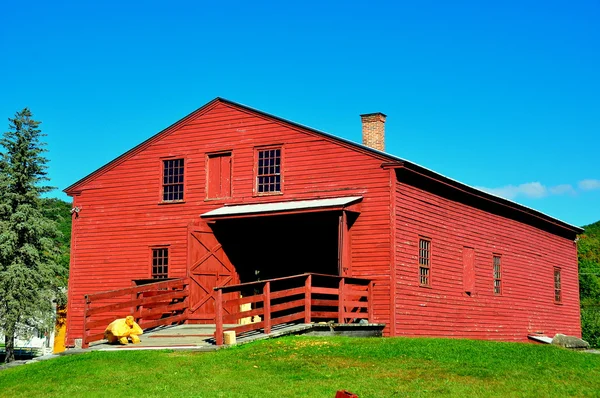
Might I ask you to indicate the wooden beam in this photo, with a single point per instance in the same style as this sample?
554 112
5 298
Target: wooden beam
219 318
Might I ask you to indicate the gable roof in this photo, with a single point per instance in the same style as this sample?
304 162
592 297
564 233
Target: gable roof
393 161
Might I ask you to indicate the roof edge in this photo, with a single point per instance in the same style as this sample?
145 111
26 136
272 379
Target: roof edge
354 145
71 189
413 167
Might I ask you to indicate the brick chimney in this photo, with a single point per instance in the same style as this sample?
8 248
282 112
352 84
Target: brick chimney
373 130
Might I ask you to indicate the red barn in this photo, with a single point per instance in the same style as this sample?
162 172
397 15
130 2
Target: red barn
273 198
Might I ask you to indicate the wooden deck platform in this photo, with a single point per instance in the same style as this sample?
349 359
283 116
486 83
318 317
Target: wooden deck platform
201 337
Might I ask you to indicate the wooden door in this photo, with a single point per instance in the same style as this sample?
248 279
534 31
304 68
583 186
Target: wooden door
208 267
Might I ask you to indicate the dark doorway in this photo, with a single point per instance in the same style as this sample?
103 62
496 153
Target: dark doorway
266 247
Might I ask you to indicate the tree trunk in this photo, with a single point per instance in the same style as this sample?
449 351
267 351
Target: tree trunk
9 345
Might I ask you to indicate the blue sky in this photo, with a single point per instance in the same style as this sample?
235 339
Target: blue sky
498 95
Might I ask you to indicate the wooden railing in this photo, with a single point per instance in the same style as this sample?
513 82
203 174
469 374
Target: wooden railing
152 305
301 298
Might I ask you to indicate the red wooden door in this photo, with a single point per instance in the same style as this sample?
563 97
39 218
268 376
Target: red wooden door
208 267
469 270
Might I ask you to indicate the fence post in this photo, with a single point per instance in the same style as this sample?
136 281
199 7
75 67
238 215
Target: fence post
138 308
134 308
84 342
219 318
341 295
267 306
370 305
307 299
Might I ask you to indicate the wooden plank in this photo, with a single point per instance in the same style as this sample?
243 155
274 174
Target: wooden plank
392 250
357 295
267 303
357 304
231 288
287 306
235 316
163 321
356 315
86 309
325 314
325 290
341 300
287 293
307 299
357 288
144 313
92 337
325 303
243 300
102 323
219 318
143 301
370 301
248 327
173 284
288 318
469 270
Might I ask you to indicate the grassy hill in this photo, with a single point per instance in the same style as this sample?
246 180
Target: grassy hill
589 282
300 366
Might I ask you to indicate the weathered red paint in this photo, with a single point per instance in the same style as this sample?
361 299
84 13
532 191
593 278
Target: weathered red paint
120 219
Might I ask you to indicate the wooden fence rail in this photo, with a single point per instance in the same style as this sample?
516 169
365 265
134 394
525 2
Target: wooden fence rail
153 304
307 298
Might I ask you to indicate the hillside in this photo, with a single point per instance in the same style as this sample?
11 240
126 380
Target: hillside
302 366
589 282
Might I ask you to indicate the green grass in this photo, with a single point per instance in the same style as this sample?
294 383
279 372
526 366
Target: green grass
317 367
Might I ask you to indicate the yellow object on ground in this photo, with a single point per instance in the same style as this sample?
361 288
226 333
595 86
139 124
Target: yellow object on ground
122 330
229 337
59 330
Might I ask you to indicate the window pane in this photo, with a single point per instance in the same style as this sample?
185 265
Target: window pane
268 173
160 259
173 178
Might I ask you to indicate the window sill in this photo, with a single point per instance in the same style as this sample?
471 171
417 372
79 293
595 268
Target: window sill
218 199
426 286
257 195
558 303
172 202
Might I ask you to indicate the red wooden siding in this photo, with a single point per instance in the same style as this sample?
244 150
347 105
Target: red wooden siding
122 217
529 256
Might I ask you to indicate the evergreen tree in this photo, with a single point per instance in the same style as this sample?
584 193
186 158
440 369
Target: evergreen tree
30 276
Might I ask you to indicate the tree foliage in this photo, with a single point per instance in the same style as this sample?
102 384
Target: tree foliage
588 252
32 277
59 211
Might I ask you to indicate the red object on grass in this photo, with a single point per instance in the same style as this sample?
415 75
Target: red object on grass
345 394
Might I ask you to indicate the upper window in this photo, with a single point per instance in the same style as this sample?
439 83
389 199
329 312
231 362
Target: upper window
425 262
218 175
268 171
557 286
160 263
172 180
497 276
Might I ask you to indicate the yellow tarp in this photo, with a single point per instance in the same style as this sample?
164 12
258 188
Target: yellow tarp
122 330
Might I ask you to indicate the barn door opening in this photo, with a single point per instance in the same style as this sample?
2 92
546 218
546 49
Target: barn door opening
266 247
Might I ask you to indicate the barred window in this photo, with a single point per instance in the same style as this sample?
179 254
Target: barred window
172 180
497 276
268 172
424 262
557 286
160 263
